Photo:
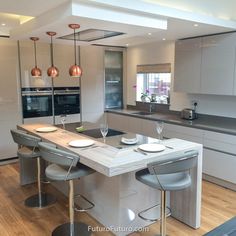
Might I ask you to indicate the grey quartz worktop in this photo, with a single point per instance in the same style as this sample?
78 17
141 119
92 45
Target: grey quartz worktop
206 122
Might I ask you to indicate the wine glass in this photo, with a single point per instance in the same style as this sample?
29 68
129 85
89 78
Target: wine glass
63 120
104 131
159 129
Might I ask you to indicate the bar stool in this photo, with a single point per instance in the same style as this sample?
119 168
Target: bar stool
29 150
66 167
168 175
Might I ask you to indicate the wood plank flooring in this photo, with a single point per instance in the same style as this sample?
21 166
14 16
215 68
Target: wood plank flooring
218 205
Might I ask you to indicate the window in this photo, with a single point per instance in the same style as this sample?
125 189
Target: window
153 83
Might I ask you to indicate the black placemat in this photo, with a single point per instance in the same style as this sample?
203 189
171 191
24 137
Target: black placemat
96 133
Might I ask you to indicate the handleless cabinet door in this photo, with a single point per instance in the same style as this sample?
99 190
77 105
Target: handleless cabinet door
218 64
187 65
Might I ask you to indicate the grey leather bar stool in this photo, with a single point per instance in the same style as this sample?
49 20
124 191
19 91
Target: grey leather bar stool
28 149
66 167
168 175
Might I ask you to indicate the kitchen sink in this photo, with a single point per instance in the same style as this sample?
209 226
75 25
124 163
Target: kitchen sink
143 113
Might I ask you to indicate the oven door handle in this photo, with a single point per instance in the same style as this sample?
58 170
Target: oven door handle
63 94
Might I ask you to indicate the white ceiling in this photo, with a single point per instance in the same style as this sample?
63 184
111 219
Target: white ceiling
137 18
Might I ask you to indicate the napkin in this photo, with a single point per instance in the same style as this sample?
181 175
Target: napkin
80 129
129 140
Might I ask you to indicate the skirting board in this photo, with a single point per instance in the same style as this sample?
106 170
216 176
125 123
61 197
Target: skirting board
9 161
220 182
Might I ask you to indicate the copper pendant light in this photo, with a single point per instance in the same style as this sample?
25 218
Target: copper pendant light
75 70
52 71
35 72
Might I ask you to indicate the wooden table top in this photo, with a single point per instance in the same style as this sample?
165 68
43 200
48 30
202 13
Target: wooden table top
111 158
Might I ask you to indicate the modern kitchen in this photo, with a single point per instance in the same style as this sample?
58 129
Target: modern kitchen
118 118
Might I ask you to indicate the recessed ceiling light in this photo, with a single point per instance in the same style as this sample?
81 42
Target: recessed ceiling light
195 25
3 24
163 39
127 44
149 33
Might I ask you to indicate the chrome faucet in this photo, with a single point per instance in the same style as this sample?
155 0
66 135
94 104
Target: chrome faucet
150 104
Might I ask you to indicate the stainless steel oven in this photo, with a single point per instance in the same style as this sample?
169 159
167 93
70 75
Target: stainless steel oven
36 102
67 100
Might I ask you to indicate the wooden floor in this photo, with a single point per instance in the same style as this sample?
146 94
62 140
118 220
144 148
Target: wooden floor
218 205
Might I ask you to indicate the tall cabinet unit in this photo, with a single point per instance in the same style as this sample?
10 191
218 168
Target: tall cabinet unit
10 109
113 79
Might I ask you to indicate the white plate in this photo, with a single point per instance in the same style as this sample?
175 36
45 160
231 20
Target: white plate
81 143
129 140
46 129
152 147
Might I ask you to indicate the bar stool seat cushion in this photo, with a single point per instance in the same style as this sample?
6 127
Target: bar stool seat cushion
26 152
58 173
169 182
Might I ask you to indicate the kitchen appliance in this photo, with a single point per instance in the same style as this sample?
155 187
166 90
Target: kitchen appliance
113 79
37 102
188 114
67 100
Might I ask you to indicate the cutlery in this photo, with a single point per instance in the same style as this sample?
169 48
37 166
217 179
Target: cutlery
140 151
169 147
94 146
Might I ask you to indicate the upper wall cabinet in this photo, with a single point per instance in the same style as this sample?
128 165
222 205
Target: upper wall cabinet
206 65
187 65
218 62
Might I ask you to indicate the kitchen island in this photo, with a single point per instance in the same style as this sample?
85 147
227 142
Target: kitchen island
216 134
118 197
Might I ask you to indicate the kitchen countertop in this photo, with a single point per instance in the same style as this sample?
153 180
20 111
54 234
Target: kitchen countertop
206 122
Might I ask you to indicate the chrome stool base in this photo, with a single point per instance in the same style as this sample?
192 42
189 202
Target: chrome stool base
141 213
40 202
75 229
91 204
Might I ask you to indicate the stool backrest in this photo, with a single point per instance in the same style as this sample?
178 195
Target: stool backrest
22 138
50 153
179 163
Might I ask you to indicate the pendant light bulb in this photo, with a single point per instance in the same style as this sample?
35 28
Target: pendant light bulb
75 71
52 70
35 72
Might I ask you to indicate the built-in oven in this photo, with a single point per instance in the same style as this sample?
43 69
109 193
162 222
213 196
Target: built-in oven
36 102
67 100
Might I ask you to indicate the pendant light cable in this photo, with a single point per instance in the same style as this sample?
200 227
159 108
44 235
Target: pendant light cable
52 71
75 71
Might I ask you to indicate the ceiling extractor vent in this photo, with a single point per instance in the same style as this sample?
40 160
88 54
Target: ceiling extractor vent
91 35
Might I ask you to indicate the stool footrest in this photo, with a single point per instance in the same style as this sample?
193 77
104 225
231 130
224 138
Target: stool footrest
45 181
85 199
141 213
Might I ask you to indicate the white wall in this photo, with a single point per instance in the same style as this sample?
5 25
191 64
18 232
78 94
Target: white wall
163 52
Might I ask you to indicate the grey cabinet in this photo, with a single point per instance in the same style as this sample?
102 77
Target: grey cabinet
218 62
187 73
10 109
206 65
